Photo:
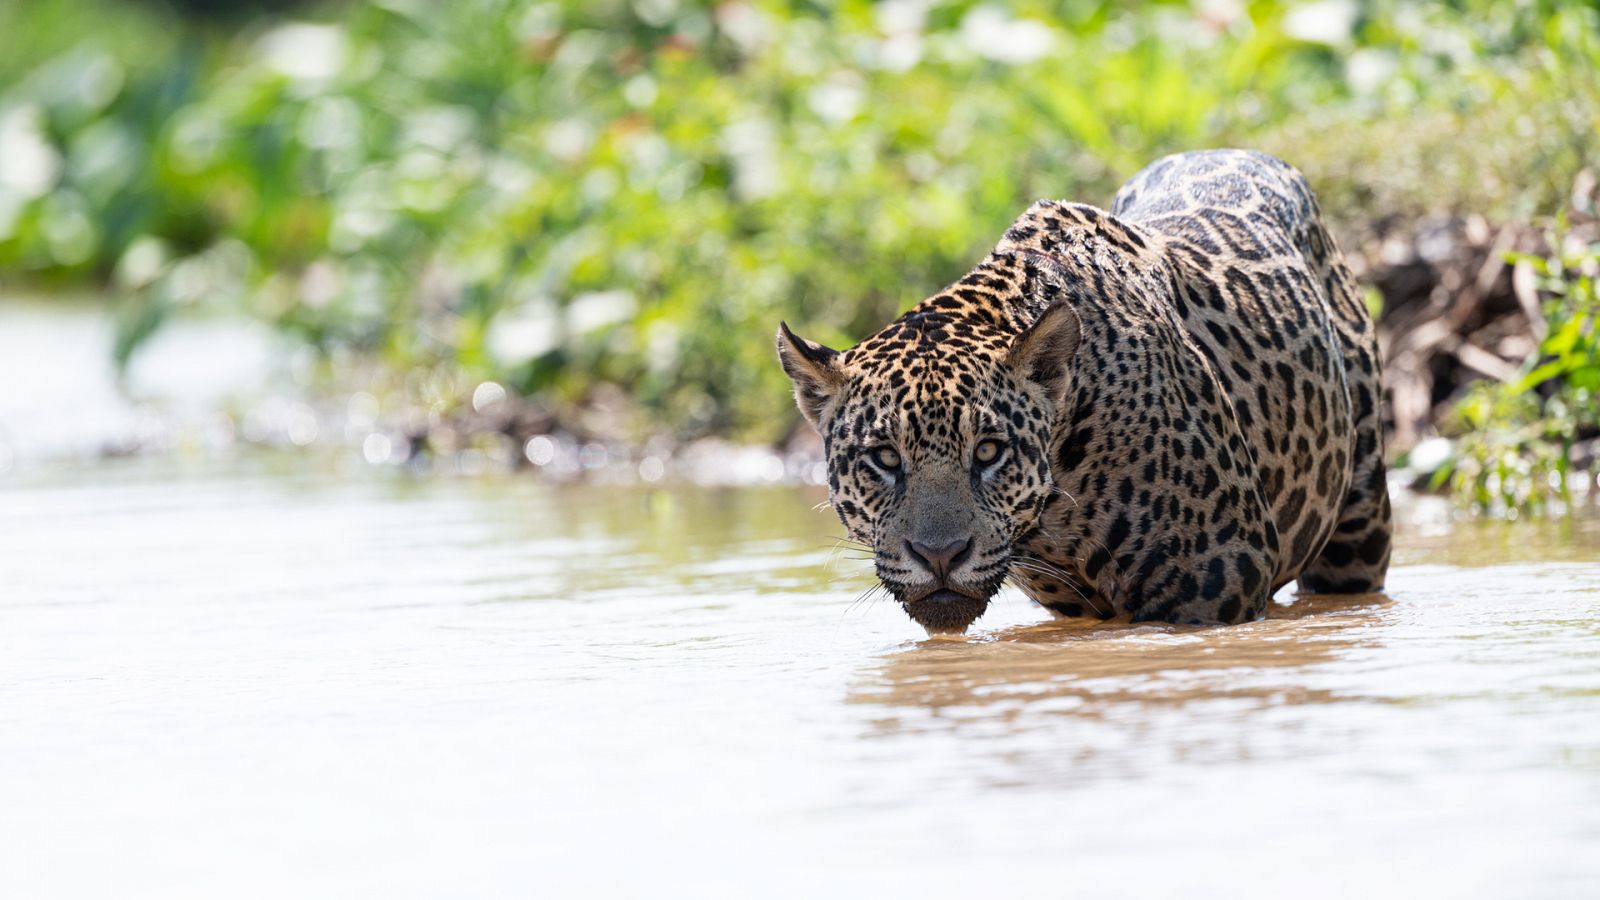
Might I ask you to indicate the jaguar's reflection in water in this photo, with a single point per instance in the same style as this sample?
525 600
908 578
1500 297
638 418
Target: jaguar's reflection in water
1152 693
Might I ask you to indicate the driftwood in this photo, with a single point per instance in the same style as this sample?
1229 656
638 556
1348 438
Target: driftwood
1455 310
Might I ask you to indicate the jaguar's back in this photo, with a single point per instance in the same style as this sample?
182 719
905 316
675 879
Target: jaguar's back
1266 295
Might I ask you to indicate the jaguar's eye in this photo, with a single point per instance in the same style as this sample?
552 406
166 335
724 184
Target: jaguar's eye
886 458
987 451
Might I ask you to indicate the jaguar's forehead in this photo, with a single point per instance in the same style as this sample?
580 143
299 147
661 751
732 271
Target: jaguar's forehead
929 379
924 410
965 328
930 345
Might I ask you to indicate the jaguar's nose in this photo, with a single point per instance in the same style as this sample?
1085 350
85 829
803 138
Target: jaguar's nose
940 560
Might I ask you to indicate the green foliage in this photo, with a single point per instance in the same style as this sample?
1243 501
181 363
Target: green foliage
562 194
1517 437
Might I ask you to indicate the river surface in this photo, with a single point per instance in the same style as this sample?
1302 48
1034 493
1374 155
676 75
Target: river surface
268 679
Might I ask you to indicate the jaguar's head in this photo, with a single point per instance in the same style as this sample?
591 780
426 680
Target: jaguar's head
937 434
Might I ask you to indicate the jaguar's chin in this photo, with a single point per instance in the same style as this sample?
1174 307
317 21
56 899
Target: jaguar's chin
945 611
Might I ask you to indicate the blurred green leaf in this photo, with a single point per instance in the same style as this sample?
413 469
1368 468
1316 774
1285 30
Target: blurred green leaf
447 187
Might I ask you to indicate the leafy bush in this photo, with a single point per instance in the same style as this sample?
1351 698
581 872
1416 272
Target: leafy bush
1517 439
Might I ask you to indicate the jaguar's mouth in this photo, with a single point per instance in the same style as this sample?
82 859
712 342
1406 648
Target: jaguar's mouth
945 611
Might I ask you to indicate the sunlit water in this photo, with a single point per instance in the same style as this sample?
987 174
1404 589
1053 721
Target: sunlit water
264 683
61 396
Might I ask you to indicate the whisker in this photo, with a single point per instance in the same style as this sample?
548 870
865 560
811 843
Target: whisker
1063 492
848 541
841 548
1022 586
1079 535
1050 570
863 597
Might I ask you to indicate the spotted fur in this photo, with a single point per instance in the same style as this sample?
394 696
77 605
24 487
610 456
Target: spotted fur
1185 393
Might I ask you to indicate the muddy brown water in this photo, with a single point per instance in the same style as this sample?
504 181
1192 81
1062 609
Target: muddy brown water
251 681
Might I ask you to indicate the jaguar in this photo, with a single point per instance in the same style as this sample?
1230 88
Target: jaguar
1164 412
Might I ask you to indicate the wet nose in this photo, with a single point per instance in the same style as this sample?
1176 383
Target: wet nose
940 560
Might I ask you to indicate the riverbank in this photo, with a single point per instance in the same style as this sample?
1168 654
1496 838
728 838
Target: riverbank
1463 305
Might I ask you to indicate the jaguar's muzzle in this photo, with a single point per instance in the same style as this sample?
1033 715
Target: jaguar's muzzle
945 611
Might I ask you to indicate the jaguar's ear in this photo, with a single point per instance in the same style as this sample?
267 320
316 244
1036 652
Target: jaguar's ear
815 371
1043 354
